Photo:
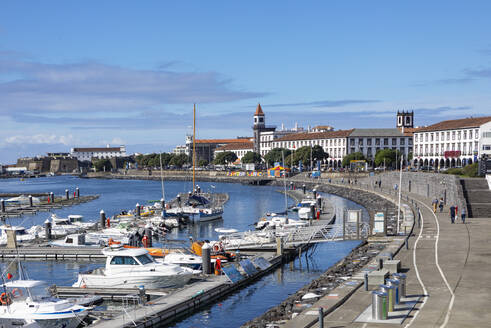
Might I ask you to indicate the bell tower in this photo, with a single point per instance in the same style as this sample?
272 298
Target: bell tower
259 125
405 119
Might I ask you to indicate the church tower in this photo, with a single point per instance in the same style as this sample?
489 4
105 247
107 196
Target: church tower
405 119
259 125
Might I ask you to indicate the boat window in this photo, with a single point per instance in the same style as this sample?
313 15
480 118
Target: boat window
123 260
69 240
144 259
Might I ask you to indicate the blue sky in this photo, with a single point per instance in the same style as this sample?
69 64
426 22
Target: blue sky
91 73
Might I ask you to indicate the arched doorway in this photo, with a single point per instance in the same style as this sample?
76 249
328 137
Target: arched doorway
442 163
452 162
426 162
469 161
459 162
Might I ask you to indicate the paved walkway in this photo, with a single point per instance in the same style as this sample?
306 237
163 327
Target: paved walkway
448 265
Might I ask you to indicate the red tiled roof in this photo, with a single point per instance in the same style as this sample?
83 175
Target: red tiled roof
408 132
237 146
259 111
472 122
315 135
101 149
221 141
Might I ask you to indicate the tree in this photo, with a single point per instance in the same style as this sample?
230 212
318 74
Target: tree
202 163
103 165
179 160
305 153
225 157
387 157
352 157
274 155
251 157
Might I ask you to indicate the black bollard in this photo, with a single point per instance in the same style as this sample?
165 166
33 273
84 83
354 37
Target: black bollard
103 219
291 185
2 202
77 192
315 193
366 281
206 257
67 195
178 198
52 197
407 243
319 201
47 229
30 201
137 209
321 317
380 263
304 189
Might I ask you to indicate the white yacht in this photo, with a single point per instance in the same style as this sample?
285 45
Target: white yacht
133 267
303 208
75 240
78 220
21 234
26 303
279 222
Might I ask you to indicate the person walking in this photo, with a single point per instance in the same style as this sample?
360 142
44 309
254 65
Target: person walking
435 204
463 212
441 205
452 214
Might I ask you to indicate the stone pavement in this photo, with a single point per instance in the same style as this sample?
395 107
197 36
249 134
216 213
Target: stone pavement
453 262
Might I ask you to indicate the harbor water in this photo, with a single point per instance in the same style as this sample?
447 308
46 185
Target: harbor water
247 203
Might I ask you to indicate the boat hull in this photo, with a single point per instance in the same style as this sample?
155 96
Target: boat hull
136 281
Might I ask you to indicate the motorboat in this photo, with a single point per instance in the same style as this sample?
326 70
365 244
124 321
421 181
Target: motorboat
22 200
182 258
304 208
26 303
133 267
226 230
104 236
209 214
279 222
21 234
75 240
78 220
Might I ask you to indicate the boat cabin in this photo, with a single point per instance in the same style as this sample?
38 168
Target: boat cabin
119 256
19 231
75 218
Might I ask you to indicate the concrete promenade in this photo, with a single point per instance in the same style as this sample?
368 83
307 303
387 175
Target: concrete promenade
448 265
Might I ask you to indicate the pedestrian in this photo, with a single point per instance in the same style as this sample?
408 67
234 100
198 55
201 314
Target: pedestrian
435 204
452 214
463 213
441 205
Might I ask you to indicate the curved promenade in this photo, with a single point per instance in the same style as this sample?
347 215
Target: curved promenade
447 265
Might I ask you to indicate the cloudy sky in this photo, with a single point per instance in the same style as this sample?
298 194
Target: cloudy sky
92 73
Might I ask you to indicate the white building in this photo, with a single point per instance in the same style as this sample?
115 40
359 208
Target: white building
86 154
181 149
452 143
239 149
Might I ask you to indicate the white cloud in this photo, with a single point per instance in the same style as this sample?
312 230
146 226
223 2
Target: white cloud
40 139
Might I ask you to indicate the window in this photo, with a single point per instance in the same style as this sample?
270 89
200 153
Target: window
144 259
394 141
476 134
352 142
453 135
402 141
416 137
369 142
377 142
458 135
431 137
360 141
470 134
426 137
448 135
465 135
386 141
123 260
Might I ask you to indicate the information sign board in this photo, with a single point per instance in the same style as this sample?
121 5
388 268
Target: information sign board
378 223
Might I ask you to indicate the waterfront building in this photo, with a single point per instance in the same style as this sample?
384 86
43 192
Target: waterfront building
260 128
205 148
239 149
180 149
86 154
452 143
333 142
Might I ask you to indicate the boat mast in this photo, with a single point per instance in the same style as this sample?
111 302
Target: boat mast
284 182
162 177
194 145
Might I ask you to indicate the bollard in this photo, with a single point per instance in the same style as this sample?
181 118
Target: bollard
304 188
312 211
67 195
206 257
279 246
30 201
321 317
77 192
380 263
52 197
390 296
47 229
178 198
162 204
143 297
314 191
366 281
319 202
395 283
137 209
2 202
291 185
407 243
103 219
379 305
148 233
402 283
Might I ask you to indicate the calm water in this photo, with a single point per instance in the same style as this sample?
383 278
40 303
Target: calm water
246 204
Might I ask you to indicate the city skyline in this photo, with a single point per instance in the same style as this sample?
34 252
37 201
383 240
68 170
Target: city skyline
91 74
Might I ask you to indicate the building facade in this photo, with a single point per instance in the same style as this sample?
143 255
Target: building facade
205 148
259 128
452 143
239 149
86 154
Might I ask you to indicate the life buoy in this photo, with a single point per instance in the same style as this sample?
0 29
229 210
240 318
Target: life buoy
216 248
5 299
16 292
